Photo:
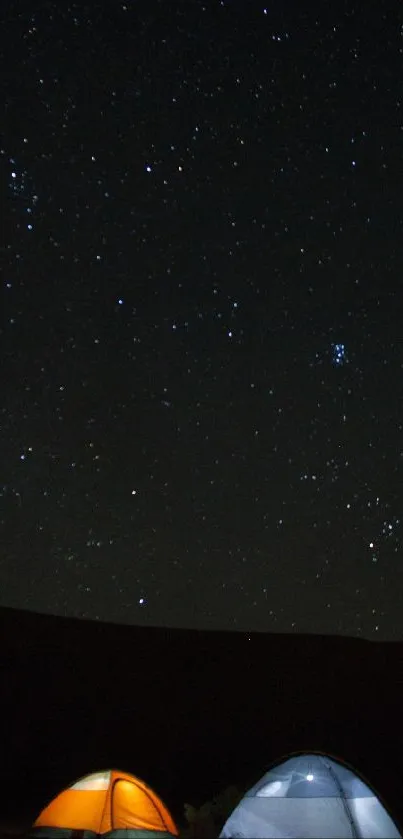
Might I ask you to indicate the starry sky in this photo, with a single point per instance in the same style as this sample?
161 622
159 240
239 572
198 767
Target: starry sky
201 319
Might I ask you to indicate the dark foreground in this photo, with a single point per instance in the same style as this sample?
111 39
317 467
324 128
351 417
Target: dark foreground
189 712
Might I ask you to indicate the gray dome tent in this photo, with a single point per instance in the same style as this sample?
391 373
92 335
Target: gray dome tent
310 795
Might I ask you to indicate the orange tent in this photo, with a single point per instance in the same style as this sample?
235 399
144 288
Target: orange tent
109 802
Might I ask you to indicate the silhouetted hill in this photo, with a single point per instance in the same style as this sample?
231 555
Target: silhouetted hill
188 711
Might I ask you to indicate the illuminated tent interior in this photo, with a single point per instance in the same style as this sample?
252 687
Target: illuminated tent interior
310 795
110 803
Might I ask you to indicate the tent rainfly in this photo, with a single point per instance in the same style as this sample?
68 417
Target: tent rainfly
109 804
310 795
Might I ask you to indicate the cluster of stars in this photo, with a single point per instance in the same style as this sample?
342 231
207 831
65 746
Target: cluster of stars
21 188
338 354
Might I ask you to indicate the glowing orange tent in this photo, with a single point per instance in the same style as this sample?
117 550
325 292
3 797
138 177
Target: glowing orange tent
108 803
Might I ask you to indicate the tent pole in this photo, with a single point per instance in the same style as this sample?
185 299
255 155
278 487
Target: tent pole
343 798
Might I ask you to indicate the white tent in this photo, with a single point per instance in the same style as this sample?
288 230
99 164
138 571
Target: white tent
310 796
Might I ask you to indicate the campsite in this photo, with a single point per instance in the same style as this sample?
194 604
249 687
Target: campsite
199 717
201 436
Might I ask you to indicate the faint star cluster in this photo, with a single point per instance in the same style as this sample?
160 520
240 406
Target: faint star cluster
202 316
338 354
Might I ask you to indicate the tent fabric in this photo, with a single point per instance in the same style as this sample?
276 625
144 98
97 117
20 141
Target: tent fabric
310 796
109 802
59 833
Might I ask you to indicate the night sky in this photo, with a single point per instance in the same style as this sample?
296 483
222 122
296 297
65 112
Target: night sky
201 317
